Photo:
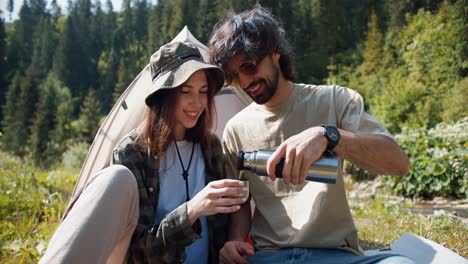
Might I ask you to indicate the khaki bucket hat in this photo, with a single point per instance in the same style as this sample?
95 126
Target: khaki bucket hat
174 63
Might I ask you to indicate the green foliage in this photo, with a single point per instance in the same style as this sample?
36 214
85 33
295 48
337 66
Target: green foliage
409 65
416 79
49 128
3 66
31 206
373 52
88 123
75 155
381 222
10 124
439 161
455 104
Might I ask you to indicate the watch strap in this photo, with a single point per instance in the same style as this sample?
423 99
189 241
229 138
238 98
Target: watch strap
331 142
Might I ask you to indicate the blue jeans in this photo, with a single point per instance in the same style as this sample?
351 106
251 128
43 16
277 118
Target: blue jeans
325 256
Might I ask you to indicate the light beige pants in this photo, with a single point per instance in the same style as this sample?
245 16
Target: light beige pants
100 225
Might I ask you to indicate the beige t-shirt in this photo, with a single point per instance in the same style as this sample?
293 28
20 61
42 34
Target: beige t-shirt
311 215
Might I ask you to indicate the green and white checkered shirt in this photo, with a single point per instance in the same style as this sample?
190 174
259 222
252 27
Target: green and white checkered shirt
165 242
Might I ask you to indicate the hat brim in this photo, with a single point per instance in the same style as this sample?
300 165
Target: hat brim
178 76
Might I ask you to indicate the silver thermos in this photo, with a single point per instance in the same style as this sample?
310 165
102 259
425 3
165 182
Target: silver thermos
323 170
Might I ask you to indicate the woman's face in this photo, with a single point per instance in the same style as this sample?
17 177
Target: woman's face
191 101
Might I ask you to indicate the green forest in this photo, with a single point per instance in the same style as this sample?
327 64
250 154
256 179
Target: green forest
63 67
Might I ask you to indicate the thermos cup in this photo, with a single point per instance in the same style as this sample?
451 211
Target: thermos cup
323 170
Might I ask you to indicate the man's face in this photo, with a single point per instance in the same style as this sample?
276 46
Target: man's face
259 79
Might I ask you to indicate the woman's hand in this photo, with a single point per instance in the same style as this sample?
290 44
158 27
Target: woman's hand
212 199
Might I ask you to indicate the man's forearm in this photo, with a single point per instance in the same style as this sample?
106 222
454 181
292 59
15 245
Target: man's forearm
377 153
240 222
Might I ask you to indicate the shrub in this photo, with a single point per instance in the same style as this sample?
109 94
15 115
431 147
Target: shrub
75 155
439 161
31 205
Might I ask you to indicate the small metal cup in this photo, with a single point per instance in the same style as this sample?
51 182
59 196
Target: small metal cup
245 194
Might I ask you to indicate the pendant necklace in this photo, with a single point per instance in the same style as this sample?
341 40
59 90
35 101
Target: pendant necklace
185 173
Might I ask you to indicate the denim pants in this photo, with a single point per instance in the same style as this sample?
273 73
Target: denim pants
324 256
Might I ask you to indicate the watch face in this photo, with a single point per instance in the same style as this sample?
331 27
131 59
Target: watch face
333 136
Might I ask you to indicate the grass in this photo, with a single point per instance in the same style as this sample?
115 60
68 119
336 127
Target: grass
380 224
31 206
380 221
32 202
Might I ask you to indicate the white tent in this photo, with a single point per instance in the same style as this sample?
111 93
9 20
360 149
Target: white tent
128 112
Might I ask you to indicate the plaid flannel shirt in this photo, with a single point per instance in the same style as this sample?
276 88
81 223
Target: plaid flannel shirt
165 242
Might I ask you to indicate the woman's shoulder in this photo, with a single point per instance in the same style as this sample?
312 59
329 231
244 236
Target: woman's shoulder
128 143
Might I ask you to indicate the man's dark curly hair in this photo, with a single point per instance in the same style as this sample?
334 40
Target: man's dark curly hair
255 34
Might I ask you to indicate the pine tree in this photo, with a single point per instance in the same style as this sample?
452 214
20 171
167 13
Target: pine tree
19 57
19 109
88 123
154 29
62 132
108 67
43 121
10 7
67 55
172 20
109 25
11 125
44 47
373 47
122 80
75 61
55 10
3 66
208 11
140 27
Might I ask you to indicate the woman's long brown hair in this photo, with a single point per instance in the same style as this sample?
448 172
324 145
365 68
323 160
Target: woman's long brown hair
155 133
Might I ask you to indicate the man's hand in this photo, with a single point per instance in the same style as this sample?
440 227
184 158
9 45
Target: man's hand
300 152
235 252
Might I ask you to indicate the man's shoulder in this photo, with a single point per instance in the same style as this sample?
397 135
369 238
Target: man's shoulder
331 93
243 114
329 88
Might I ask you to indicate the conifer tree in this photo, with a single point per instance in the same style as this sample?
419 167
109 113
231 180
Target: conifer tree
67 56
108 67
62 132
10 7
44 47
88 122
11 125
122 80
55 10
19 57
140 27
109 25
208 11
3 67
373 47
19 109
172 20
154 29
43 122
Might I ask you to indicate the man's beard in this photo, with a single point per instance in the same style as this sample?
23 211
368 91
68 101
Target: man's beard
269 87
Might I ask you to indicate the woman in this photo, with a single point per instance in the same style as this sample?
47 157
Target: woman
163 200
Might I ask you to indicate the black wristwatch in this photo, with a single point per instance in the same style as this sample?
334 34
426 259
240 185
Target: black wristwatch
332 134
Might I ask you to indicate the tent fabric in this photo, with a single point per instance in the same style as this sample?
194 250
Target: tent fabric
128 113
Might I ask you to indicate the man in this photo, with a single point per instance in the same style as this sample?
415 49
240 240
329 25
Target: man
294 220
